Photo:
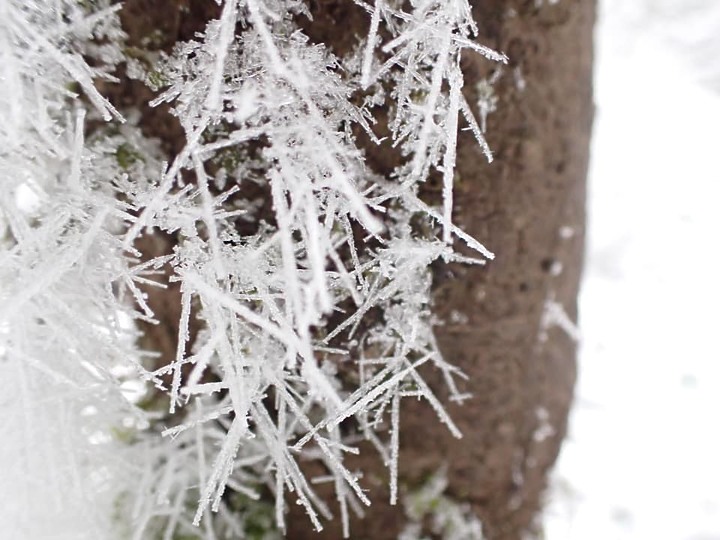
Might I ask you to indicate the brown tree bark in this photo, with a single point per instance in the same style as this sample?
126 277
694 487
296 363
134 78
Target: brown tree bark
527 206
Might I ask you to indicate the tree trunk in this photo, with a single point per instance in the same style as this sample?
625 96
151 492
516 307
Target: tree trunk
529 207
502 326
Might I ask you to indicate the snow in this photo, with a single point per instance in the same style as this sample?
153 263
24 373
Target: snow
641 461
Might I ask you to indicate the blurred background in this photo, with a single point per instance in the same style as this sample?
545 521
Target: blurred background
643 456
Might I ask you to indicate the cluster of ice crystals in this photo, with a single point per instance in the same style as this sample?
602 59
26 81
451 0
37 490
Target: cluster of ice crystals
304 274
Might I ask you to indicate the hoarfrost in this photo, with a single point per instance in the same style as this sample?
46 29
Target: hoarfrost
316 314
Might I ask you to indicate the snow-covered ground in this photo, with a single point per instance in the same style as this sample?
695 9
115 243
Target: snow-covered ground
643 456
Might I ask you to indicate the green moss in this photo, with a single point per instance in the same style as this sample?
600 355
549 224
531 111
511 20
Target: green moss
418 96
126 156
88 5
73 87
427 506
156 79
258 517
124 435
228 158
154 401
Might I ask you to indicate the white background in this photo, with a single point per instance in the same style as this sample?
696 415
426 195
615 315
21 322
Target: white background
642 459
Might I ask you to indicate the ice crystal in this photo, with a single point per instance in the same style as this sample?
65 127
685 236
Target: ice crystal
304 276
